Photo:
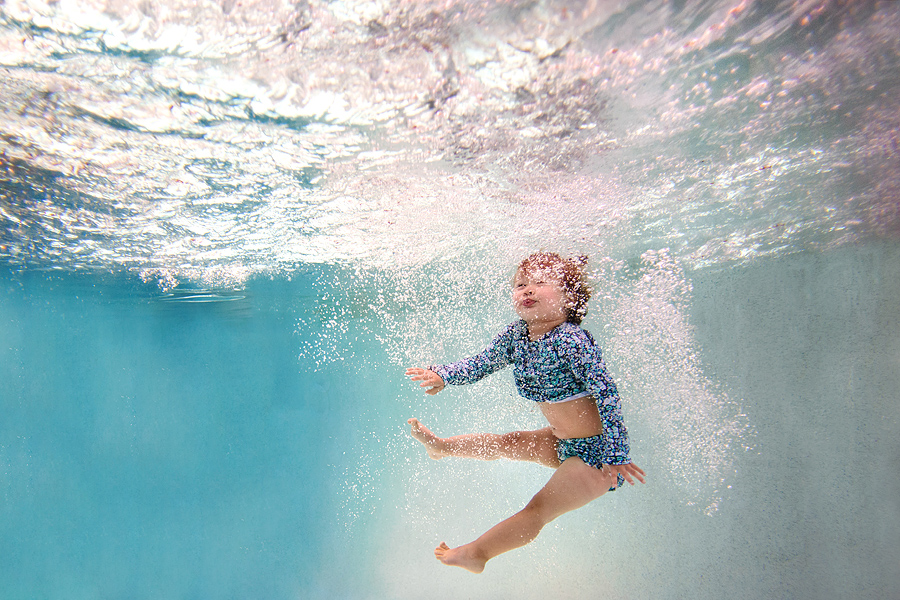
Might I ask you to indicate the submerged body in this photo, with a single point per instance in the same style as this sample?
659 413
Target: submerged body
564 366
558 365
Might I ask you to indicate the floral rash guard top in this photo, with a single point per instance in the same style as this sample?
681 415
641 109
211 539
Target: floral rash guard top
562 364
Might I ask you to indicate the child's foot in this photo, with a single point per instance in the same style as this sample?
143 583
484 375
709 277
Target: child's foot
459 557
431 442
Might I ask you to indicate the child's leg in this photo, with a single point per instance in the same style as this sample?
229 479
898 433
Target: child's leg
573 485
535 446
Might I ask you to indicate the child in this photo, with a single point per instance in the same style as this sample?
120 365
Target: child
557 364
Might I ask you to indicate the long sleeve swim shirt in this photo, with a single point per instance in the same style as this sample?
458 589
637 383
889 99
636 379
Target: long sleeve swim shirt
563 364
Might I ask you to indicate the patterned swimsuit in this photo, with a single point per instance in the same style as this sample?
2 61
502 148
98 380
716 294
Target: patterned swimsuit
562 365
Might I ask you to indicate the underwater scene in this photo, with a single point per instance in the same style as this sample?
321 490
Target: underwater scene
228 227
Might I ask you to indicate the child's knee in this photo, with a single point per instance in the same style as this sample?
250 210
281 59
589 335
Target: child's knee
538 512
516 444
512 439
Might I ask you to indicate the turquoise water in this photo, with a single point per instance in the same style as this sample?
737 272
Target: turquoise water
170 449
225 229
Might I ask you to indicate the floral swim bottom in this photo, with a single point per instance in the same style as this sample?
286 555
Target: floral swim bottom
591 450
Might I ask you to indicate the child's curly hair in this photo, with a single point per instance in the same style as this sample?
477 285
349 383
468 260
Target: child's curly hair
571 274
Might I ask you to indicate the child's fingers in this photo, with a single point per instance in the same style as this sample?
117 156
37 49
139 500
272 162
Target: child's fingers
635 470
429 379
418 374
627 471
433 387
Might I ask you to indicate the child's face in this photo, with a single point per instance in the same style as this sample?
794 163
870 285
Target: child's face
538 296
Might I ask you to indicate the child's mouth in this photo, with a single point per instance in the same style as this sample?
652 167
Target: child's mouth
527 303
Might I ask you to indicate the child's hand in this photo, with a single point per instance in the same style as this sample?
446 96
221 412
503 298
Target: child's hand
627 471
429 379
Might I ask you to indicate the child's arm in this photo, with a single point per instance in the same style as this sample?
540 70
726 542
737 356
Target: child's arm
494 357
586 361
430 380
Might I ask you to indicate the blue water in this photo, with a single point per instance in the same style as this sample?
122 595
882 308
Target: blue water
165 450
169 449
225 229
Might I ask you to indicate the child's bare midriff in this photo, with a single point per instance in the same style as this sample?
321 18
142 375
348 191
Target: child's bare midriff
577 418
